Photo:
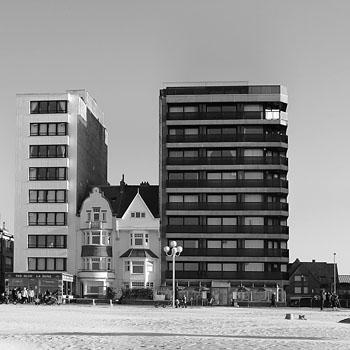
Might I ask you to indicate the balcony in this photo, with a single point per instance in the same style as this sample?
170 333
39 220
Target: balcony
215 115
229 275
96 225
227 206
276 229
228 138
235 252
227 161
96 250
228 183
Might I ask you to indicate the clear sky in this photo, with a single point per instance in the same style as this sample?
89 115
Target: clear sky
122 52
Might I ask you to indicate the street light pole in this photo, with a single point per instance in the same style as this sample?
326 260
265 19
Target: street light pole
334 278
174 250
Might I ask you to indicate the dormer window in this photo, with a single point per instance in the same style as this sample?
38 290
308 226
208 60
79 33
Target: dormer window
138 214
96 214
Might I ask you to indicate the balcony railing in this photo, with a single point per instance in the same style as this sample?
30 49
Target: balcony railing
228 183
276 229
215 115
228 138
227 160
97 225
227 275
228 206
234 252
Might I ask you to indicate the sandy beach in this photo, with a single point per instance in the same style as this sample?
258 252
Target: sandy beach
131 327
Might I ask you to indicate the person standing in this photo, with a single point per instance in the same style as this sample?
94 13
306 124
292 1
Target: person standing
273 300
322 298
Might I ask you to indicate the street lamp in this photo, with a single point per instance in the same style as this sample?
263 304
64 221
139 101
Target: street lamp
334 278
174 250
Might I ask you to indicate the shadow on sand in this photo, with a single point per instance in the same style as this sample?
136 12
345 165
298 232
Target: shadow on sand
154 334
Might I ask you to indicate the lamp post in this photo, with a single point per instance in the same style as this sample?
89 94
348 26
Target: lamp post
174 250
334 277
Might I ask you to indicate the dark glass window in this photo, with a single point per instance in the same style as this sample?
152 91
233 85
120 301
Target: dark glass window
44 174
48 129
47 264
39 107
47 241
48 151
47 219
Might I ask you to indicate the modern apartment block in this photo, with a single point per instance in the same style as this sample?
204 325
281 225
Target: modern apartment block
61 153
223 183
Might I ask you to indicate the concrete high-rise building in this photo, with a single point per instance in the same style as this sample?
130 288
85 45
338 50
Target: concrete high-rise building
223 185
61 153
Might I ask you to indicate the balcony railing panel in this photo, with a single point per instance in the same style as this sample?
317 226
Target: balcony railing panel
228 138
227 275
235 252
228 206
259 115
228 183
227 229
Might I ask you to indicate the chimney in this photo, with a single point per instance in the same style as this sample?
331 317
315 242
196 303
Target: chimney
122 184
313 260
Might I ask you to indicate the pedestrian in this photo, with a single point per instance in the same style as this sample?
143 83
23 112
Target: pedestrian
31 295
184 301
322 298
273 300
25 295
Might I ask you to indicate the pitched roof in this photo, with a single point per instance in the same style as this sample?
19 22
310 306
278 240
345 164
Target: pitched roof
139 253
120 197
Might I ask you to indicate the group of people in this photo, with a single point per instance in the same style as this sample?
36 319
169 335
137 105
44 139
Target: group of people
27 296
328 299
181 302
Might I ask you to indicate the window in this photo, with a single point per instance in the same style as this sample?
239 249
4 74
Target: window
176 109
47 196
48 151
306 290
190 243
47 174
225 175
297 278
137 284
252 220
190 109
137 214
137 267
229 244
48 129
254 267
224 221
39 107
297 290
214 267
191 266
254 243
272 114
253 198
46 264
126 266
46 219
283 267
228 153
214 244
229 267
149 266
97 264
213 108
251 152
139 239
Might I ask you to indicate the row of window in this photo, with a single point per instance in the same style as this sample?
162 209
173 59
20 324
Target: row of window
97 238
223 130
47 219
225 220
97 264
47 173
47 241
96 215
138 214
301 290
231 243
226 175
43 107
224 198
139 239
48 151
47 264
48 129
138 267
224 152
229 267
47 196
216 107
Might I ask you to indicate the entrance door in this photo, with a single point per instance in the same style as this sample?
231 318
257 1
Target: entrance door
220 295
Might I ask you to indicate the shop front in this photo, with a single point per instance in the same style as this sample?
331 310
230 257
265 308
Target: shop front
41 282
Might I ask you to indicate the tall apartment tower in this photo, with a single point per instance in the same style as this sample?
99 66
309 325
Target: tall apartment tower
223 183
61 154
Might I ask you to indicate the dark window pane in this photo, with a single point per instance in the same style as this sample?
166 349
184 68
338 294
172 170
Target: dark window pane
62 107
32 173
191 176
50 264
175 176
41 196
52 106
41 219
51 219
60 241
41 264
32 196
60 264
32 218
61 129
42 129
34 129
42 151
31 241
60 196
52 129
41 241
34 151
62 174
189 220
61 151
50 241
43 106
51 151
31 264
34 107
41 173
175 220
51 173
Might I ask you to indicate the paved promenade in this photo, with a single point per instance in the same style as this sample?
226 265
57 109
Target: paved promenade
131 327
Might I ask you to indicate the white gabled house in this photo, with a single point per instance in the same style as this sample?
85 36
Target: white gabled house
119 239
